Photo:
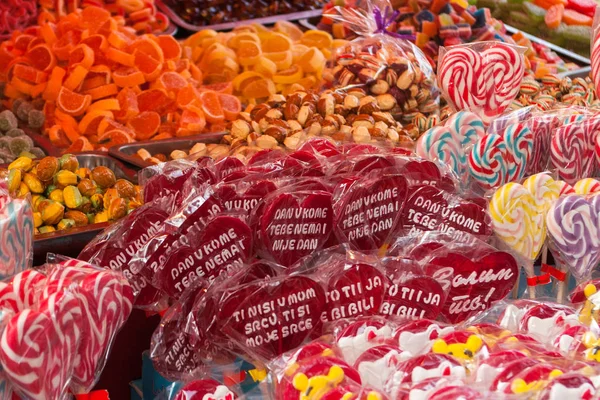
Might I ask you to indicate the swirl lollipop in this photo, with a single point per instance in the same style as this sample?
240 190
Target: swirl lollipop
587 186
489 161
519 142
568 152
439 143
466 126
575 237
595 57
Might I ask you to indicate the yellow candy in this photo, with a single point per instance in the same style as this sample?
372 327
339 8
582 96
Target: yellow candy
587 186
312 61
318 39
289 76
516 219
283 60
249 52
265 67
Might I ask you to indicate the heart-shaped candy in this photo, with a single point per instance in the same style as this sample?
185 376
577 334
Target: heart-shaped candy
473 284
19 293
368 213
415 298
575 233
244 198
483 82
271 318
223 245
354 290
205 389
294 225
431 209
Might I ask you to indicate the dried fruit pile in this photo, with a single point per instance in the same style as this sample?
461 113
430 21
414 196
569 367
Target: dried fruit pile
140 15
261 62
104 85
66 196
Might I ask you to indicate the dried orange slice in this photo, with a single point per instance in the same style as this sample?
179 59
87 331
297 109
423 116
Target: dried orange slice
81 55
318 39
128 77
105 105
58 137
128 104
193 121
298 51
211 106
149 47
89 123
276 43
289 29
186 96
171 81
93 18
72 103
231 106
312 61
244 78
289 76
196 39
149 66
224 87
170 47
265 67
81 144
54 84
308 82
98 43
259 89
120 57
154 100
76 77
145 125
283 60
29 74
234 41
114 138
249 52
42 57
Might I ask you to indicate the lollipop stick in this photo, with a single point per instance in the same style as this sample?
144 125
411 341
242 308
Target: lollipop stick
530 273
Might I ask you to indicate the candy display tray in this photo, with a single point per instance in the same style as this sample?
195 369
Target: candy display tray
72 241
127 152
177 20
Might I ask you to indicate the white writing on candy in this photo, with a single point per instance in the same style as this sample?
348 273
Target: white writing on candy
377 217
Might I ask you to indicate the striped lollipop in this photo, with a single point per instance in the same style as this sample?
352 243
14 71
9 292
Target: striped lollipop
466 126
568 151
441 144
490 162
519 143
587 186
574 232
16 237
595 56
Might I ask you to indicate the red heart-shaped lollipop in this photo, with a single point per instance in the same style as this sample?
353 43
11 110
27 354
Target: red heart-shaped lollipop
368 213
205 389
293 226
429 208
274 317
473 285
415 298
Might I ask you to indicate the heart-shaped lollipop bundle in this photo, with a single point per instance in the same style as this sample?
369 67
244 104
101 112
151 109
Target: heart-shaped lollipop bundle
483 78
59 327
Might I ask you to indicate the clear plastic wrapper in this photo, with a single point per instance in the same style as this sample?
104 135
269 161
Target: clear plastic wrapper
201 389
16 234
482 77
383 64
595 49
116 246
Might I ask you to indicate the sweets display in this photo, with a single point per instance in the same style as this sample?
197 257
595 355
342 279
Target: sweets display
16 16
13 140
197 151
202 12
64 196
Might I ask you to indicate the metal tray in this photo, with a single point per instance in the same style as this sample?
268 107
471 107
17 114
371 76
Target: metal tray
72 241
175 19
126 152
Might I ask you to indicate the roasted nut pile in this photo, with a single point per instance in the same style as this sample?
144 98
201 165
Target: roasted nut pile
402 84
64 195
343 116
553 91
197 151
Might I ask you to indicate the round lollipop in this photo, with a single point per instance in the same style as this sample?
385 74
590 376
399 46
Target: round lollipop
575 234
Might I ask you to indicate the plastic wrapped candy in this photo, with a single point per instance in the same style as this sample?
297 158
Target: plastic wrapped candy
16 234
483 77
383 65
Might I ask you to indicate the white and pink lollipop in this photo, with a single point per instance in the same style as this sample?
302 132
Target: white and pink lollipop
484 82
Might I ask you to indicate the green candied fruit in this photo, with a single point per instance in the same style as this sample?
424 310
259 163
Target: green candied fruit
20 144
8 120
36 119
15 132
536 13
580 34
518 16
23 110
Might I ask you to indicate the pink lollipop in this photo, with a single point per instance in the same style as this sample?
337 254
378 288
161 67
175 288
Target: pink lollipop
595 57
490 162
461 79
504 67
